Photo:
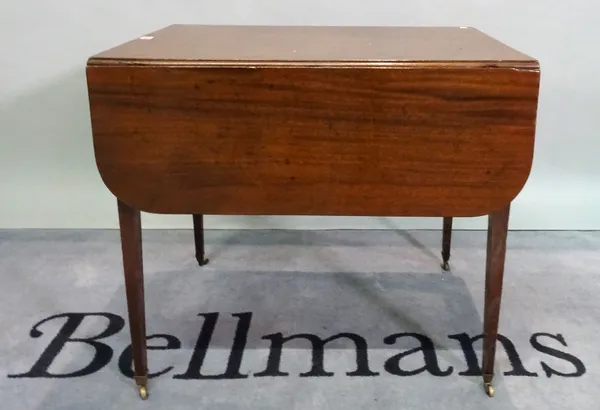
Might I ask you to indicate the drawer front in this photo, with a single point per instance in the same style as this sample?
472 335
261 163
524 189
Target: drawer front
314 141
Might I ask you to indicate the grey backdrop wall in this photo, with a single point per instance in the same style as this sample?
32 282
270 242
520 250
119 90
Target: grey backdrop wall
48 177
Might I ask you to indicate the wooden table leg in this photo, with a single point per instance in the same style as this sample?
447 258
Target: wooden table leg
446 240
131 245
494 273
199 239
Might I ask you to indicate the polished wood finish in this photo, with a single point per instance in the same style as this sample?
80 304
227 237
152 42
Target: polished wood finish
446 242
365 142
297 45
199 239
131 244
359 121
494 275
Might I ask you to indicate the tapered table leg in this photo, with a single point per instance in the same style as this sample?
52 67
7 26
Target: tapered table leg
494 273
131 244
446 241
199 239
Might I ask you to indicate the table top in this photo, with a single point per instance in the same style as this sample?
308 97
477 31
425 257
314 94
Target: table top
367 121
320 45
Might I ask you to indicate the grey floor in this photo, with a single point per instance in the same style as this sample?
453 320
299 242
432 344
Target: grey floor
59 288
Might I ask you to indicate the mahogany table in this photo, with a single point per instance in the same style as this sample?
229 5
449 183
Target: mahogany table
355 121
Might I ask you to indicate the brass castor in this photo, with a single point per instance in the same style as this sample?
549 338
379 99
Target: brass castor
489 389
446 266
143 392
142 382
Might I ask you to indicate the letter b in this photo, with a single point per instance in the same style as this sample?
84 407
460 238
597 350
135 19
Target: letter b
102 352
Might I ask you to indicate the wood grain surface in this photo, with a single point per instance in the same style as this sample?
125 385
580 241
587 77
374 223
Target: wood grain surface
133 268
418 141
494 277
301 45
